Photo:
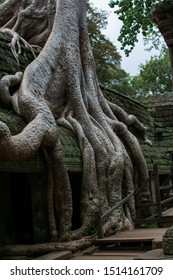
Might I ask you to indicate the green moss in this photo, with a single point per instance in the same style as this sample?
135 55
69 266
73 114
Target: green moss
69 141
14 122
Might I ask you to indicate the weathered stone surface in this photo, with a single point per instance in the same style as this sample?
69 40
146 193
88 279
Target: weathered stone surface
157 243
156 114
156 254
8 63
167 243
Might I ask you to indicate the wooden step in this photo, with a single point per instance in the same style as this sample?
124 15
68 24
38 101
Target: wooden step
133 236
110 255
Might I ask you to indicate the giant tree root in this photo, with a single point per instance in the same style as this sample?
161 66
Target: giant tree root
37 250
60 86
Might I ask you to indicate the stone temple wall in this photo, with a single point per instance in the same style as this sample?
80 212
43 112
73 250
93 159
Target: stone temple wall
157 115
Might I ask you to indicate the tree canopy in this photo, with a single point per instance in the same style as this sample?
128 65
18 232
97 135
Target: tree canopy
136 18
154 77
106 56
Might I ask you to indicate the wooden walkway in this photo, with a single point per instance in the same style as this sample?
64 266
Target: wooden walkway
136 235
168 212
110 255
127 245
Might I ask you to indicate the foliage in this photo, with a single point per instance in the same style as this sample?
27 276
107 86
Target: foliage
135 15
154 77
107 58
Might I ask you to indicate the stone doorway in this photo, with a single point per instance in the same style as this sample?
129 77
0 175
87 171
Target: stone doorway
21 208
76 181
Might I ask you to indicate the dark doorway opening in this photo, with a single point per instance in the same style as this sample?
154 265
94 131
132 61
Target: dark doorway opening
76 181
21 208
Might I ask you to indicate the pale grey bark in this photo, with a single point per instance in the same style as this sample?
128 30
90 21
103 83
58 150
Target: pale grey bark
60 86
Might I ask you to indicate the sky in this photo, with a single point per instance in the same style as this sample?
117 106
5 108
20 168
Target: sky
139 55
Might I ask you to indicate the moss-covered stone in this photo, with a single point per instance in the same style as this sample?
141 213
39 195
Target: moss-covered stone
167 243
13 121
9 64
72 154
157 116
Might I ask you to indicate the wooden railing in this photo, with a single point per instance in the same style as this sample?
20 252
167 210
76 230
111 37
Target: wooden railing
156 218
100 219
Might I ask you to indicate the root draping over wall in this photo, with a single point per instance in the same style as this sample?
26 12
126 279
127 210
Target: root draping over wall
60 86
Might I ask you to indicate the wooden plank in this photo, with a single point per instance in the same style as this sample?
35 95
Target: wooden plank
93 257
166 200
137 235
99 226
164 219
166 187
117 205
157 190
110 255
168 212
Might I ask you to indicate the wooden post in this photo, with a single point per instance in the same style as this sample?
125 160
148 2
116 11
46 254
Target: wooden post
99 227
136 197
157 190
171 172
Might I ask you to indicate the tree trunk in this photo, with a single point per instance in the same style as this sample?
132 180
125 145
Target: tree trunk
60 87
162 15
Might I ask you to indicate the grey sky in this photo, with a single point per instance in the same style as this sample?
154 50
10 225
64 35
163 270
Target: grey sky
139 55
